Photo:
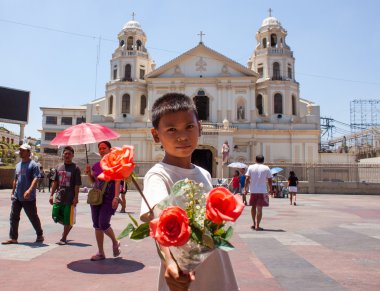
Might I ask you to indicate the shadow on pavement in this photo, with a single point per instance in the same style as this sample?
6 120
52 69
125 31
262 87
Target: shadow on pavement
274 230
34 245
107 266
77 244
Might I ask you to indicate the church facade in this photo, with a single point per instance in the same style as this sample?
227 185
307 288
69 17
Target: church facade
256 108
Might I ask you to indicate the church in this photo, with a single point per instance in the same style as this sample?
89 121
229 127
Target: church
256 109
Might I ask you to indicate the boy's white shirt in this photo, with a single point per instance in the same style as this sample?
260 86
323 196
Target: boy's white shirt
216 272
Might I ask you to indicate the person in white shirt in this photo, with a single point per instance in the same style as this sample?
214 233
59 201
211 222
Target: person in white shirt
258 176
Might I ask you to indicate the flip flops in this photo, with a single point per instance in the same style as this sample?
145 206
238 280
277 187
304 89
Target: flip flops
98 257
40 239
116 250
9 242
62 242
259 229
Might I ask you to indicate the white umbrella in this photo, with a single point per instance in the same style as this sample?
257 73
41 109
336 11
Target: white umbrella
238 165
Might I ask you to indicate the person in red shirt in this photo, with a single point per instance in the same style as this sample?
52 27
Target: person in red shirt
235 182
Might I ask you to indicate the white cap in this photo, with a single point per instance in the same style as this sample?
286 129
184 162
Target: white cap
25 146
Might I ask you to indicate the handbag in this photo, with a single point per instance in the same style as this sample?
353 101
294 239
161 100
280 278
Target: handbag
95 196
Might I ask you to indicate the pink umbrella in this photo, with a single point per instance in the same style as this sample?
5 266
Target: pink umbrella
84 133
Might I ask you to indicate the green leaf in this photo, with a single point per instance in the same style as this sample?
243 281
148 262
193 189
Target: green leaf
196 234
133 220
220 231
130 228
223 244
142 231
227 235
208 241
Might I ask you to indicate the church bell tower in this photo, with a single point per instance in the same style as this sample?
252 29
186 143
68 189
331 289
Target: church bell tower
277 93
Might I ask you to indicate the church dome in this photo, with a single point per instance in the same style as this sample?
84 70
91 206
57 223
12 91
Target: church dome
132 24
273 21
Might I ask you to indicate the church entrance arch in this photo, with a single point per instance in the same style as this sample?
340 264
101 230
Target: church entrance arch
204 156
202 104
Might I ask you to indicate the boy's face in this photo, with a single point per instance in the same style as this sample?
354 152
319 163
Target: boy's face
178 133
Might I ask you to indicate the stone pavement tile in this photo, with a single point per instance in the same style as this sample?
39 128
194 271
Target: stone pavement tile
250 272
353 270
346 240
291 271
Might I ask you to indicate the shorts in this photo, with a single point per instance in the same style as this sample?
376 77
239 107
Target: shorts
292 189
64 214
259 199
235 190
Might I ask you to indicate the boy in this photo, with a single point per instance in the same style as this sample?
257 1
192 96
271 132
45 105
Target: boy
67 180
177 128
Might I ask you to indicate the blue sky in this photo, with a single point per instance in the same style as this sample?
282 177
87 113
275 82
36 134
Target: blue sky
335 43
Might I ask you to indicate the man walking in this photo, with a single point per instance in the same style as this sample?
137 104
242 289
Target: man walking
67 180
24 195
257 177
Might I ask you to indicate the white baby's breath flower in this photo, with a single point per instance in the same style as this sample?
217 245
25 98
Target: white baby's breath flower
201 185
186 180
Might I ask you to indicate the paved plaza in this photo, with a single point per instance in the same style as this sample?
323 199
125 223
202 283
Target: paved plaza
326 242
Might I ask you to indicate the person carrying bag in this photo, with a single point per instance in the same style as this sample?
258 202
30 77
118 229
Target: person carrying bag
95 196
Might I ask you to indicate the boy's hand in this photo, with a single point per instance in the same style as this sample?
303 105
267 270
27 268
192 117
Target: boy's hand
176 280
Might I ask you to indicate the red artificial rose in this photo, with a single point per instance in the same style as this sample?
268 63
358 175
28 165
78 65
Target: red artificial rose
222 205
117 164
171 228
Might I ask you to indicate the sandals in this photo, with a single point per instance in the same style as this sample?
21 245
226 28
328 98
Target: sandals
259 229
98 257
294 204
62 242
9 242
253 227
116 250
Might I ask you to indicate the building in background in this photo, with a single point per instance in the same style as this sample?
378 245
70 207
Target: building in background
256 108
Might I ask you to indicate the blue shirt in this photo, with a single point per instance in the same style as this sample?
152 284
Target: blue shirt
24 175
242 181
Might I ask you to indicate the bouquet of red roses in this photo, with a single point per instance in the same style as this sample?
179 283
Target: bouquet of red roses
192 220
195 221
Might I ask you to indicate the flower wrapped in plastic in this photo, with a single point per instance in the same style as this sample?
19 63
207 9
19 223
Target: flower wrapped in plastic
192 220
201 215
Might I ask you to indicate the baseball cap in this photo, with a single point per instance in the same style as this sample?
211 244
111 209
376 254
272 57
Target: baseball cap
25 146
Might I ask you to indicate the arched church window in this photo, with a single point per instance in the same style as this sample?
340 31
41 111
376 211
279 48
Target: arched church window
276 71
273 40
277 103
110 104
114 77
138 44
130 43
294 105
127 73
259 104
264 42
290 72
202 104
126 103
142 104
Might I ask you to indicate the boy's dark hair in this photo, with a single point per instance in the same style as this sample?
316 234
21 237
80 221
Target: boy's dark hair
106 142
292 174
170 103
260 159
68 148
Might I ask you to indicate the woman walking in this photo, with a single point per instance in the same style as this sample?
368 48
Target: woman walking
292 187
101 214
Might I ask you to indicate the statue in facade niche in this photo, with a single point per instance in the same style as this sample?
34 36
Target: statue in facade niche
240 113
